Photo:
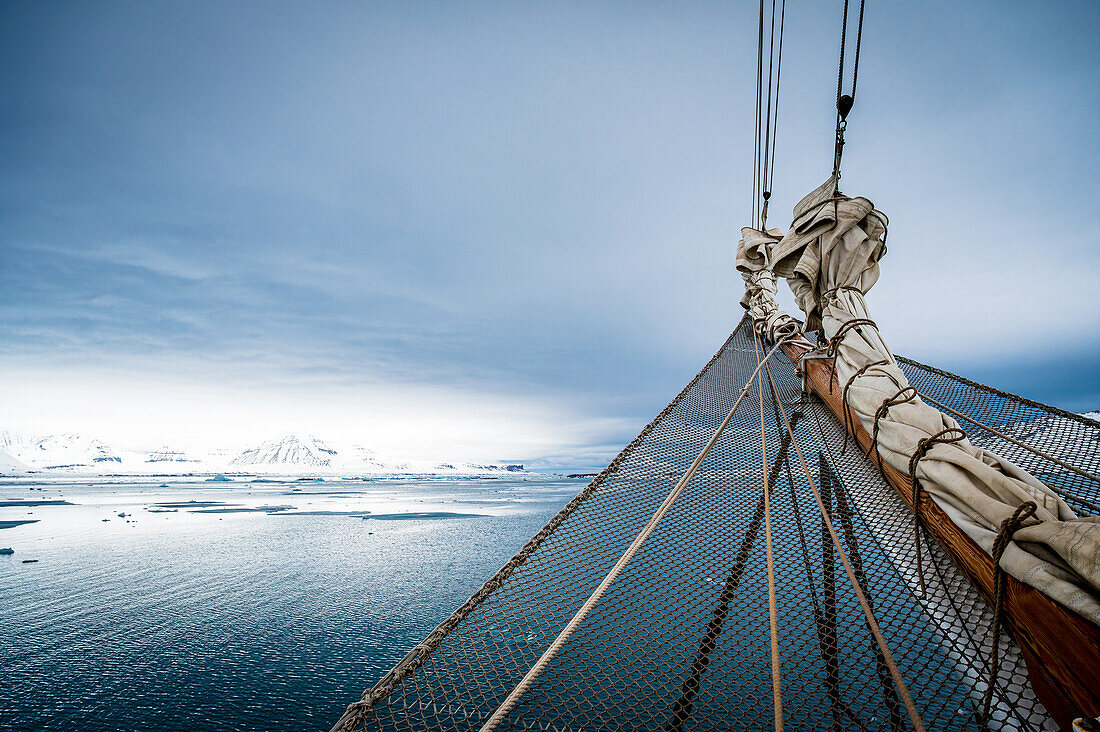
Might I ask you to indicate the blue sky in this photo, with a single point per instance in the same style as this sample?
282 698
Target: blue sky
506 230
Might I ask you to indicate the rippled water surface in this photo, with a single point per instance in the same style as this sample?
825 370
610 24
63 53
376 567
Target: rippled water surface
260 606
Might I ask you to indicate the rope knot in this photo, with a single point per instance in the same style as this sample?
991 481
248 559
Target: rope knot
943 437
1010 526
905 394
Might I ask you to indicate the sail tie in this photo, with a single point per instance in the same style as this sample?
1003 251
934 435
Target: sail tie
943 437
830 295
853 324
849 419
904 395
1008 528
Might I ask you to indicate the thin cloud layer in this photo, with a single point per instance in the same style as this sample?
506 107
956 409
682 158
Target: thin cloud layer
528 206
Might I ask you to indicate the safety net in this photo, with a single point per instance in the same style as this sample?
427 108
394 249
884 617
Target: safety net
682 638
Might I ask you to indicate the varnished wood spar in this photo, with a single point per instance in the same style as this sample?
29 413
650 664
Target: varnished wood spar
1061 649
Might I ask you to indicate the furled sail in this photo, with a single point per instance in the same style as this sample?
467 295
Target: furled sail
830 258
759 300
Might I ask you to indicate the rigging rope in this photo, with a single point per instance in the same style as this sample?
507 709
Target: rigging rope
970 659
756 131
948 436
903 691
773 621
563 637
767 115
422 651
845 102
669 647
1046 456
771 128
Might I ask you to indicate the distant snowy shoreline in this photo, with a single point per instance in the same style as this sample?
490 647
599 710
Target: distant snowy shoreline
289 456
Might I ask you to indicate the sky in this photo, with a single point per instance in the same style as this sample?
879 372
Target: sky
506 230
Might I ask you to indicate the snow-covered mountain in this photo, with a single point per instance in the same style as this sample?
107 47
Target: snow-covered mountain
10 466
298 453
288 455
308 452
69 451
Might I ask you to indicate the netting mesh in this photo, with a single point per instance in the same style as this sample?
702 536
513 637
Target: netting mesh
681 640
1068 438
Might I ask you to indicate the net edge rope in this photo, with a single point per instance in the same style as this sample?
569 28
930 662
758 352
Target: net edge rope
357 712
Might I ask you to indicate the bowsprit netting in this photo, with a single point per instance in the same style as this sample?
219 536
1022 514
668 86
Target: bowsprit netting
681 640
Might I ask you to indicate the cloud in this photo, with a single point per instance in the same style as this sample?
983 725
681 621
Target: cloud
525 204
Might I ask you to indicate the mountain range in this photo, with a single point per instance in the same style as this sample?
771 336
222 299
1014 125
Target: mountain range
293 454
289 455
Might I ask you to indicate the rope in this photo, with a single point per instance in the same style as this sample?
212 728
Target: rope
845 102
824 612
567 632
683 706
826 617
416 658
831 293
778 76
843 43
854 323
1080 419
771 124
948 436
888 658
844 513
849 425
967 657
1064 493
859 42
777 692
1008 528
767 121
904 395
756 176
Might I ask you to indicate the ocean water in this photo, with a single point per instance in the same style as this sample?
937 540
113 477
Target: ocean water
243 605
